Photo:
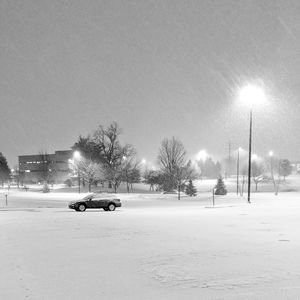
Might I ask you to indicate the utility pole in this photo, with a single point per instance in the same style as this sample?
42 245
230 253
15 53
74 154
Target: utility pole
249 162
237 171
229 158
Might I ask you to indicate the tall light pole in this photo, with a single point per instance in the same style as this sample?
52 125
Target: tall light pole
76 157
250 156
238 170
252 96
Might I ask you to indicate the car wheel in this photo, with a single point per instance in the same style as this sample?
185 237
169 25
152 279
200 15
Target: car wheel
111 207
81 207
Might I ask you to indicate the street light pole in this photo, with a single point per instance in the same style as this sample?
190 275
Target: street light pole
252 95
78 182
249 163
237 172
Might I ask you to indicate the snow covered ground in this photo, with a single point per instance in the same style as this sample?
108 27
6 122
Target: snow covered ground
153 247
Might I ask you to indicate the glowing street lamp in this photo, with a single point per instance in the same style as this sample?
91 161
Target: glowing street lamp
202 155
251 96
76 154
77 157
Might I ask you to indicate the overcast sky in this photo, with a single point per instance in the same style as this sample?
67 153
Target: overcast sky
159 68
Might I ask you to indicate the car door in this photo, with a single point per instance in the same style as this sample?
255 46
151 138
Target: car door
101 203
89 202
97 202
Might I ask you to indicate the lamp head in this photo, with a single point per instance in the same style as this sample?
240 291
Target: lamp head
202 155
76 154
252 95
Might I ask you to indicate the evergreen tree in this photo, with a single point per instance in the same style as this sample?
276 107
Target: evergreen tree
285 168
4 169
191 189
220 187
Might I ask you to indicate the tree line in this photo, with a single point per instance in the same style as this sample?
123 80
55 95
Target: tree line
104 159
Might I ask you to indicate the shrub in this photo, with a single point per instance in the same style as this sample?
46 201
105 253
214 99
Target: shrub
191 189
220 187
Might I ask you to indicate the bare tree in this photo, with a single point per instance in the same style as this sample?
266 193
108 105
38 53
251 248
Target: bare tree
89 171
244 174
131 172
46 164
154 178
257 170
275 169
174 164
110 153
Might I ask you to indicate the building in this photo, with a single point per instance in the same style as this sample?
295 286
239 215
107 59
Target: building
296 166
45 167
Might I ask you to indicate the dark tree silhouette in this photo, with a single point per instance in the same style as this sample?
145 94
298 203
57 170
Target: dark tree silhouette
191 189
220 187
4 169
174 164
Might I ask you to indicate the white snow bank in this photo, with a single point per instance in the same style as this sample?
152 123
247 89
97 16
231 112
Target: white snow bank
153 247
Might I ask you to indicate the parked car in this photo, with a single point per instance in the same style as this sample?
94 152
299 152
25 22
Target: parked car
95 201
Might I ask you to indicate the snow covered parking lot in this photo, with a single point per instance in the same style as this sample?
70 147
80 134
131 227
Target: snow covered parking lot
154 247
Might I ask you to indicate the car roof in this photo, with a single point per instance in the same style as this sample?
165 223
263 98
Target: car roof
100 196
88 196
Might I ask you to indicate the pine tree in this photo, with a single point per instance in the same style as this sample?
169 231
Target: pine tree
191 189
220 187
285 168
4 169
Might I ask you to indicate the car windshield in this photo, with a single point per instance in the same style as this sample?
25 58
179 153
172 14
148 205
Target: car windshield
94 196
90 196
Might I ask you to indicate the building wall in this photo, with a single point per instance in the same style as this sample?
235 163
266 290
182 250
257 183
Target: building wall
50 167
296 166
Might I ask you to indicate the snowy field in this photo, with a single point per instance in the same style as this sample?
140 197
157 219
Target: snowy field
153 247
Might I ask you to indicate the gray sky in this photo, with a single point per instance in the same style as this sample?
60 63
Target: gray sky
158 68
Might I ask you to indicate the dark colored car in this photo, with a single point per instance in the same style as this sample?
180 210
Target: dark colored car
95 201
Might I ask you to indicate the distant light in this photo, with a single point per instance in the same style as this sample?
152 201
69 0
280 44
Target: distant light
76 155
143 161
124 157
271 153
202 155
254 156
252 95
